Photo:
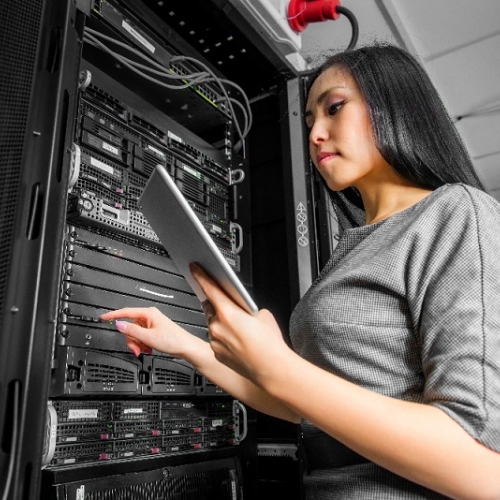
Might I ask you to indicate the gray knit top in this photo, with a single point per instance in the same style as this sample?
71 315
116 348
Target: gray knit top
409 307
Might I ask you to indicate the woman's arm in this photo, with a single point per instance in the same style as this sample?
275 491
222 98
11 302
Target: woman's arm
151 329
417 441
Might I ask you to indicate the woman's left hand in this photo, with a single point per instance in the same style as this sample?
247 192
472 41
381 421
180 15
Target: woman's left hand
249 344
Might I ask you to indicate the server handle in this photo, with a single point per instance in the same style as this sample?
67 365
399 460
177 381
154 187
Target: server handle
239 408
236 237
49 444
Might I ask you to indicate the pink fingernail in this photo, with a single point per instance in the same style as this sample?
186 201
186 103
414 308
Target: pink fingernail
121 325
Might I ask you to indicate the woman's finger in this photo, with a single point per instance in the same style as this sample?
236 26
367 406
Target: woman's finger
215 295
141 333
134 313
209 311
138 347
138 333
148 328
139 336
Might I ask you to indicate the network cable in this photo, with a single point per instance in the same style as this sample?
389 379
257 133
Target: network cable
190 80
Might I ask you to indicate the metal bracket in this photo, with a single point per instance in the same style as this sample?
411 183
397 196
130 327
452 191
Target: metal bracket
277 450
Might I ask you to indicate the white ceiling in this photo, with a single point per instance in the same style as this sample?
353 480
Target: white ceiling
457 41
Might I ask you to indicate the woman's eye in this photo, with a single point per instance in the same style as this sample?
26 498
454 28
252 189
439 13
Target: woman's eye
334 107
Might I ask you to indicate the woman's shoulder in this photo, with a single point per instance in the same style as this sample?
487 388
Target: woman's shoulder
448 214
457 191
461 201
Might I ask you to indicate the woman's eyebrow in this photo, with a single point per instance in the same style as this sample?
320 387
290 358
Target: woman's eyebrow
323 96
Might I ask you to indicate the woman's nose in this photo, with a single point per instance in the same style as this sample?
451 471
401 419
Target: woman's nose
318 133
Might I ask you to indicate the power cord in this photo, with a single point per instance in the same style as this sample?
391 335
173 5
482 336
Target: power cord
354 25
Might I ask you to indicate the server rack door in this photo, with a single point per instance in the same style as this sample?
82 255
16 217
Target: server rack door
39 40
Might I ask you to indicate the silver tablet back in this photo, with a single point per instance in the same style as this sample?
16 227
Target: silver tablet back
186 240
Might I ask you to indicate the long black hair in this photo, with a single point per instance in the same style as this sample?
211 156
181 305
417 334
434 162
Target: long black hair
412 128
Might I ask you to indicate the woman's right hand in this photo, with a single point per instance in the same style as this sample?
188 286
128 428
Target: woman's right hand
147 328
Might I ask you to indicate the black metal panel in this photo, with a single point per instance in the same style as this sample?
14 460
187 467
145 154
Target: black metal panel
129 251
38 40
300 203
84 372
96 278
169 376
99 298
106 262
209 480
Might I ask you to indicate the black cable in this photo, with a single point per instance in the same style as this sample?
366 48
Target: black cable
354 24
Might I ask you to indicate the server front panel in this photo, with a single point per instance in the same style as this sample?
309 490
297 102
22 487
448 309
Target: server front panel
153 418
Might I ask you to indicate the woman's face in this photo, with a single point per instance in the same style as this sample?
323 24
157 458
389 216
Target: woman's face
341 142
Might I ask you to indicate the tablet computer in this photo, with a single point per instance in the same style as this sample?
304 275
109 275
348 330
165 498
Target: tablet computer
186 240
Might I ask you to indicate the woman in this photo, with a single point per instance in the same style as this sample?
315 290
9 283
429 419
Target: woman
394 373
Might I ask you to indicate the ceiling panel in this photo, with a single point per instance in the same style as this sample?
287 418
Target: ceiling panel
437 27
469 78
488 169
481 134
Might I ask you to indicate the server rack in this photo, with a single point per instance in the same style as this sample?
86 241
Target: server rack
81 133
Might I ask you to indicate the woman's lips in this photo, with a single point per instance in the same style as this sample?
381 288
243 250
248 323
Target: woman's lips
324 156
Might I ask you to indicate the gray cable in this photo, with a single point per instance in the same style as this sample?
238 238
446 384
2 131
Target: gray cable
191 79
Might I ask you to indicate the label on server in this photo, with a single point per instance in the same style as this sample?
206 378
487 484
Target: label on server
159 153
138 36
132 410
174 137
110 148
79 414
101 165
